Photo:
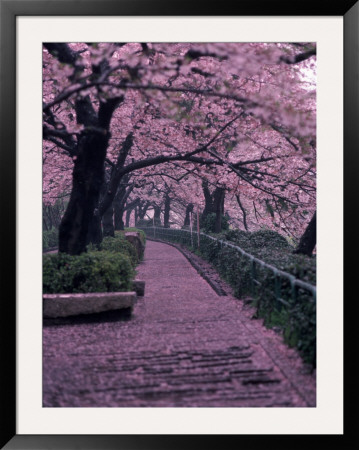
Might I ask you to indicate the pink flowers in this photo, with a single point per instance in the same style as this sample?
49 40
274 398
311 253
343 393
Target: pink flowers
247 103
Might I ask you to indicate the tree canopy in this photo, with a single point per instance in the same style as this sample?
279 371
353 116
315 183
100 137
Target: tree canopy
168 124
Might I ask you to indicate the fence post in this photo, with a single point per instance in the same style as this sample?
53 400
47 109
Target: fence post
191 227
197 226
277 289
154 231
253 270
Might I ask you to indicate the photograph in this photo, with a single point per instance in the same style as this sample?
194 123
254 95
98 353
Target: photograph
179 224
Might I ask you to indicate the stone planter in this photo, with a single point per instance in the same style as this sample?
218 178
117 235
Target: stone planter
64 305
133 237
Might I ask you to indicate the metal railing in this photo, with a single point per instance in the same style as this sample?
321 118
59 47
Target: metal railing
255 265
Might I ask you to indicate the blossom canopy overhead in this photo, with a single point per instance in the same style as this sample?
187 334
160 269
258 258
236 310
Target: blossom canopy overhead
169 120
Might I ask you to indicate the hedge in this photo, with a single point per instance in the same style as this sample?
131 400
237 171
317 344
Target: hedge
119 244
295 317
50 239
208 222
107 269
98 271
272 248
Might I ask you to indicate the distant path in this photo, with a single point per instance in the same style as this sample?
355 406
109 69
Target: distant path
184 346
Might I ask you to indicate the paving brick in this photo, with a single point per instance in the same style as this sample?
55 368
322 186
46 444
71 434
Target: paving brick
184 346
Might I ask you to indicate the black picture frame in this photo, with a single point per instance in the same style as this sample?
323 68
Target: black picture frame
10 9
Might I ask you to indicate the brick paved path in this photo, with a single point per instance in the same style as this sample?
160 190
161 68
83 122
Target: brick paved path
183 346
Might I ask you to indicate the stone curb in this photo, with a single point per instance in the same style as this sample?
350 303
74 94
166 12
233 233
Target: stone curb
64 305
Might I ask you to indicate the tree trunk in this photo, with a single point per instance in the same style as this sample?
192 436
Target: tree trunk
128 216
107 223
94 233
189 209
214 203
157 215
129 207
121 197
137 217
166 215
141 211
44 224
118 216
218 206
87 176
309 238
243 212
157 212
87 180
208 205
114 187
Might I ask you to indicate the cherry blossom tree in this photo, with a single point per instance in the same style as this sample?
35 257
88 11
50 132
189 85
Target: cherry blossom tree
239 116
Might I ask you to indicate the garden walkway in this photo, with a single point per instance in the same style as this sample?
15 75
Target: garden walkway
184 346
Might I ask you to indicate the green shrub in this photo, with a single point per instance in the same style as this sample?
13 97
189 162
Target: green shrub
208 223
133 230
98 271
137 230
119 244
50 239
272 248
296 318
256 240
45 241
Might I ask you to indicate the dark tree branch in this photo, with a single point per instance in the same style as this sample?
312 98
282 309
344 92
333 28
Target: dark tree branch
309 239
69 150
62 52
243 212
116 175
299 57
